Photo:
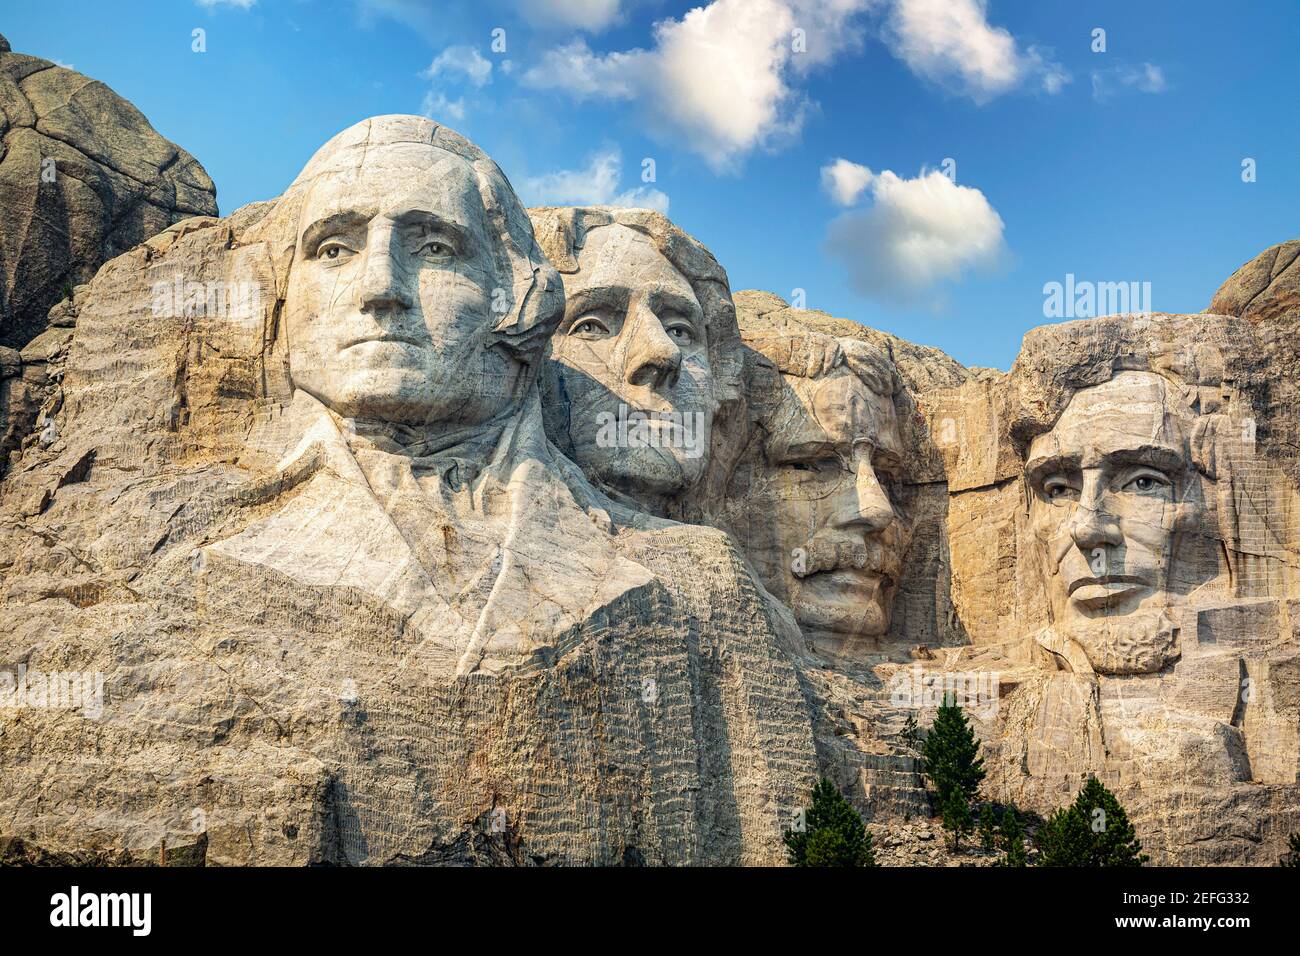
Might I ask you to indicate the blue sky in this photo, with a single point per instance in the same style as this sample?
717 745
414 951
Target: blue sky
1118 165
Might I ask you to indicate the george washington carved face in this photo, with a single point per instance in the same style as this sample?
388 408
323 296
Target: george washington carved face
391 295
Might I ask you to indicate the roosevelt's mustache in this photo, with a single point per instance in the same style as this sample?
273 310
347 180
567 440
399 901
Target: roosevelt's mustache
833 554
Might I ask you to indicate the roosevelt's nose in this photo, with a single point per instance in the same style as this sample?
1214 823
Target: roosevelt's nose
865 504
653 359
381 286
1092 525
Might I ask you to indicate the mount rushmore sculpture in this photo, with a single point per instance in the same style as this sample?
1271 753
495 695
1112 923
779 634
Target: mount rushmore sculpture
477 534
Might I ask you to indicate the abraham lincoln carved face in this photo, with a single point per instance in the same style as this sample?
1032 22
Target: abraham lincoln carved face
1113 492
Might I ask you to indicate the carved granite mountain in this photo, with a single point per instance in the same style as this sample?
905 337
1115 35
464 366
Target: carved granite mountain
1266 287
83 178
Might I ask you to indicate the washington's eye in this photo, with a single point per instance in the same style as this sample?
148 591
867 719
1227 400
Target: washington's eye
437 249
814 465
589 328
332 250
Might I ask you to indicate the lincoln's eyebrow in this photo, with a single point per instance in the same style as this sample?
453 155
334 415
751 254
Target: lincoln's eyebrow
330 225
1160 457
1036 469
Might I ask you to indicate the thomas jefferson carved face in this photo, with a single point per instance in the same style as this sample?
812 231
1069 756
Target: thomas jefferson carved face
633 345
823 529
1113 488
390 297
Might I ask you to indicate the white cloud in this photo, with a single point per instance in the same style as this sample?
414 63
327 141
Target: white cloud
463 61
720 79
1146 78
845 180
589 15
951 42
242 4
916 234
596 185
436 106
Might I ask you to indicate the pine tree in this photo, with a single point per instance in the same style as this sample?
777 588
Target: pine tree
1292 858
1093 831
833 833
1013 840
988 826
951 760
957 819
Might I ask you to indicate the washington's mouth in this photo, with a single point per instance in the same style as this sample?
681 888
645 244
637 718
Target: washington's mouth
1105 591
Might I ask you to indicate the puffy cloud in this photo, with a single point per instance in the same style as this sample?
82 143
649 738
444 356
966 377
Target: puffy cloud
460 61
596 185
951 42
845 180
915 234
589 15
1146 78
720 80
436 106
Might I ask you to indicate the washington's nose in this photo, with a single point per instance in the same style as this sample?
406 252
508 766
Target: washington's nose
866 504
653 359
381 286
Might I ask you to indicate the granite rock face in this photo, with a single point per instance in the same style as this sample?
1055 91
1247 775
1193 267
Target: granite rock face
83 178
296 509
1266 287
1105 565
390 523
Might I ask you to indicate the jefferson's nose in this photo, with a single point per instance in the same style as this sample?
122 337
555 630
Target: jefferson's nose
1092 525
653 359
381 286
865 505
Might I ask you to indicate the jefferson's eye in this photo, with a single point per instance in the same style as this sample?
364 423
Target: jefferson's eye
682 333
589 328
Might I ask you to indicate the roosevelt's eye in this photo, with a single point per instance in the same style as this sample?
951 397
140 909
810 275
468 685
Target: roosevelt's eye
589 327
332 250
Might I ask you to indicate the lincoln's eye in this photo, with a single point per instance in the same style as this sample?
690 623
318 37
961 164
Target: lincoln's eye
682 333
1058 490
1144 483
436 248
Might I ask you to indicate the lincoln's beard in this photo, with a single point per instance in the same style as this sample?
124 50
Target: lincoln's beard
1142 642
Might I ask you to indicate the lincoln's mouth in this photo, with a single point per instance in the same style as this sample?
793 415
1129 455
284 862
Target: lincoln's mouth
402 339
1105 590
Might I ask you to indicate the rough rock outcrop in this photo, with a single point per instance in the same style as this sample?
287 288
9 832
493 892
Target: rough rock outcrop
1266 287
347 604
83 178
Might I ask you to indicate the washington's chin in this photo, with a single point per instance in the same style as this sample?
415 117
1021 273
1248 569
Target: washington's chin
649 471
407 396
